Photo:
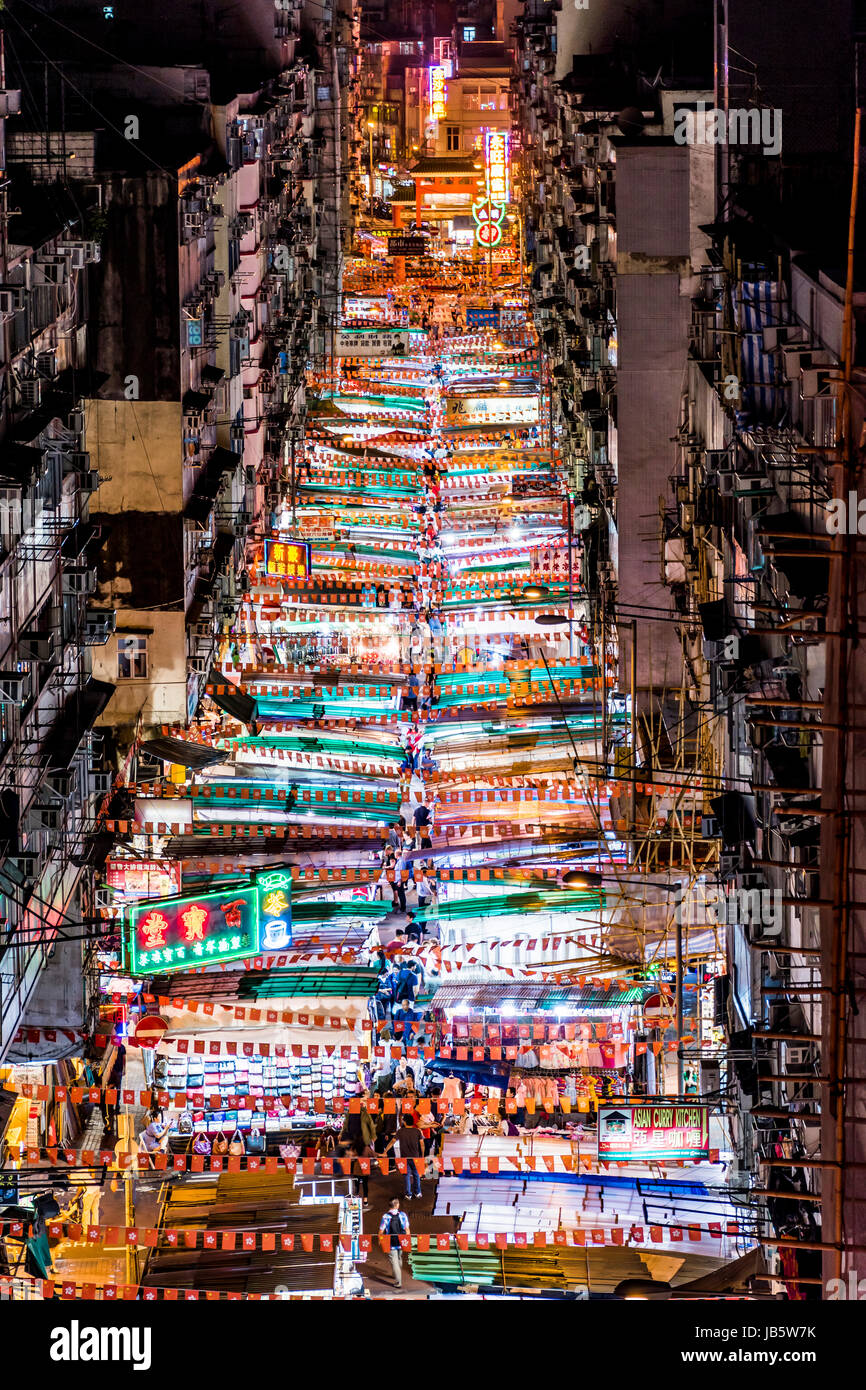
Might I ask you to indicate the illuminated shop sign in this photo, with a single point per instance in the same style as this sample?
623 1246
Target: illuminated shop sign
144 878
438 93
488 222
497 163
275 910
176 934
491 410
288 559
185 933
651 1133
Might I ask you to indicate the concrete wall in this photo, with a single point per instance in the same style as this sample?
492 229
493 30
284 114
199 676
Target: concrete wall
653 315
161 696
136 445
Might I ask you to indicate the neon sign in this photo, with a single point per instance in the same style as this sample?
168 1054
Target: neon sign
287 559
438 93
275 909
497 165
175 934
488 219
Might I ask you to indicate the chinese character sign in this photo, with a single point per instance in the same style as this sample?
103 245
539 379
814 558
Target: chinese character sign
275 910
438 93
175 934
497 165
653 1132
288 559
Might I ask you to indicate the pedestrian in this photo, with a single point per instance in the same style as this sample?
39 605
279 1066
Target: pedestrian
411 1143
359 1129
399 885
404 1021
386 1123
154 1137
415 930
394 1224
410 695
423 822
112 1080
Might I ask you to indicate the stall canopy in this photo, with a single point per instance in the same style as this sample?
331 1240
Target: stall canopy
230 698
178 750
482 995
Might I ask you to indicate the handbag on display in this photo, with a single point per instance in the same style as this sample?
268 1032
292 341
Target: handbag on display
184 1124
201 1145
289 1151
236 1145
255 1142
220 1144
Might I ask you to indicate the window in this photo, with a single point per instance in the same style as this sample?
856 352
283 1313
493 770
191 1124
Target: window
452 137
468 33
5 729
131 658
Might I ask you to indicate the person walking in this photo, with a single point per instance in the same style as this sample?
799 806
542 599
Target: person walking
404 1020
411 1143
361 1179
394 1224
112 1080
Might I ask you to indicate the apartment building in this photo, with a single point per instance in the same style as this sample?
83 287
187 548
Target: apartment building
696 343
52 776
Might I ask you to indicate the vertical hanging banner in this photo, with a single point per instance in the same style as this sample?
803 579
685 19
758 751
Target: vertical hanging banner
438 93
496 159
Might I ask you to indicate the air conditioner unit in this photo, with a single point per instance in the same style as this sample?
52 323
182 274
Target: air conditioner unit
46 364
797 360
710 828
816 382
76 422
61 781
51 270
782 335
199 664
45 818
30 392
24 868
99 624
99 783
727 484
88 481
730 863
37 646
12 297
192 222
79 579
82 253
14 687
